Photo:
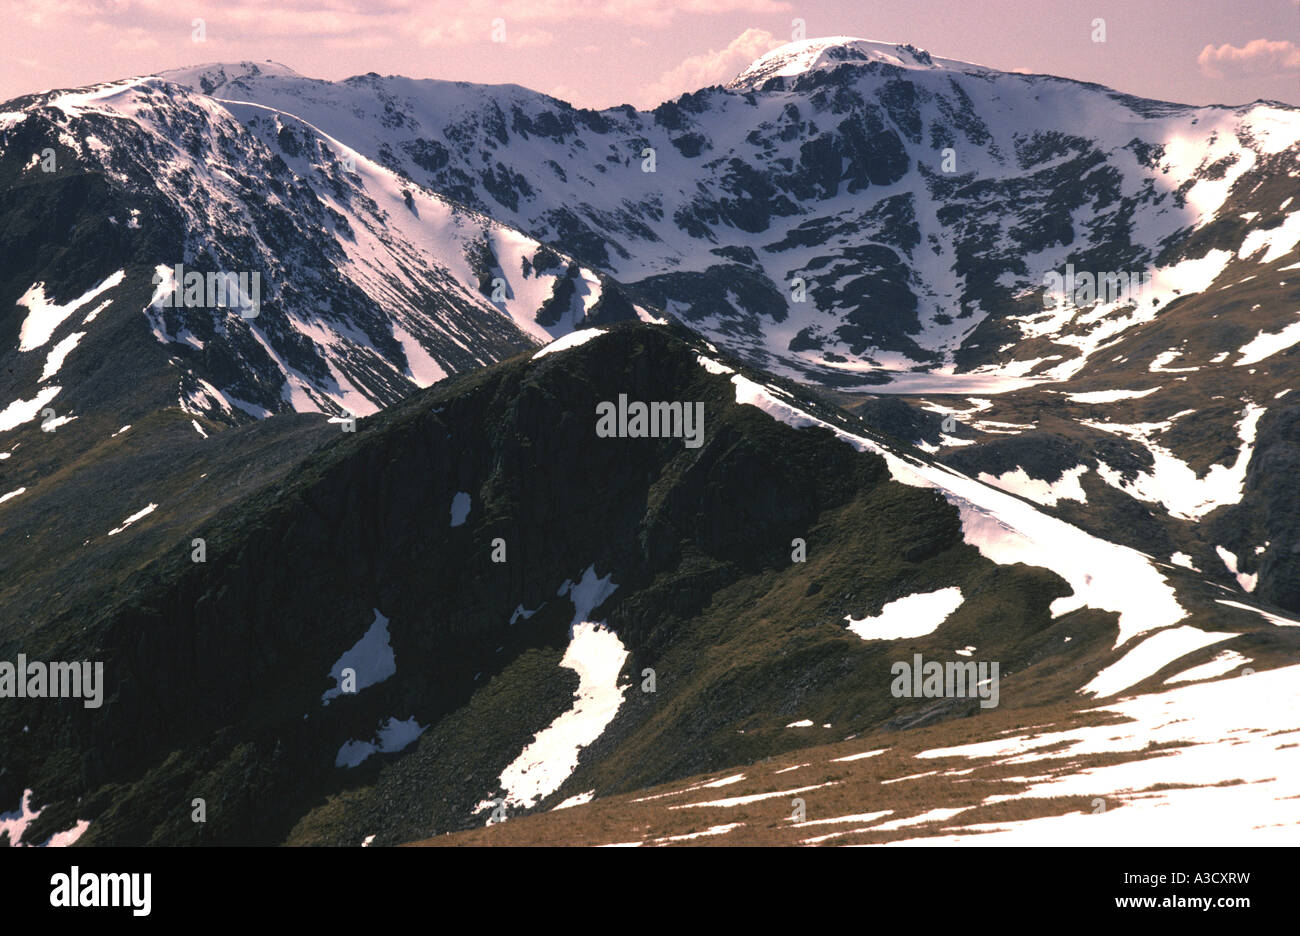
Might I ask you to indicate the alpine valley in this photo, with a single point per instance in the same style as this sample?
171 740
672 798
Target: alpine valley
957 542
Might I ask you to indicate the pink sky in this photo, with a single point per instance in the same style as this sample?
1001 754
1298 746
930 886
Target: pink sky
597 53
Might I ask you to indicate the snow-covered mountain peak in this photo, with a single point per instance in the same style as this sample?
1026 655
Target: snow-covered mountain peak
210 76
808 55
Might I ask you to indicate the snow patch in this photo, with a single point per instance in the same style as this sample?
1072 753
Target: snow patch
1233 742
393 736
460 505
1152 654
597 655
863 755
1271 618
371 658
22 411
1224 663
58 353
580 800
1168 357
44 316
1246 581
933 815
714 367
857 817
753 797
1276 242
912 616
15 824
1171 481
711 830
138 515
1018 481
1267 344
571 340
1109 396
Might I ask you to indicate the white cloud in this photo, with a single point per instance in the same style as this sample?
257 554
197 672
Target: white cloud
712 67
1257 57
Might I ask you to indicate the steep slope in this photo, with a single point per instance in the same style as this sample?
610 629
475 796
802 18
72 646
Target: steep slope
471 604
864 216
920 201
675 624
112 395
366 288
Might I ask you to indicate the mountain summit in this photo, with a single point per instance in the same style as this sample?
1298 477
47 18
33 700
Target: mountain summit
807 55
993 369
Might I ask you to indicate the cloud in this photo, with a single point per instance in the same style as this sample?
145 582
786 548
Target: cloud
369 23
566 93
1257 57
131 38
714 66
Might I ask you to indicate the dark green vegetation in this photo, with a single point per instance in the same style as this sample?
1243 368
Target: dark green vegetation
212 667
216 670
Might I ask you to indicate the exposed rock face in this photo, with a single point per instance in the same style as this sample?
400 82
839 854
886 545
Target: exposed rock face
1269 515
853 224
213 666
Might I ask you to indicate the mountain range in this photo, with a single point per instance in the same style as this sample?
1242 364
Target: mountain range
994 368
